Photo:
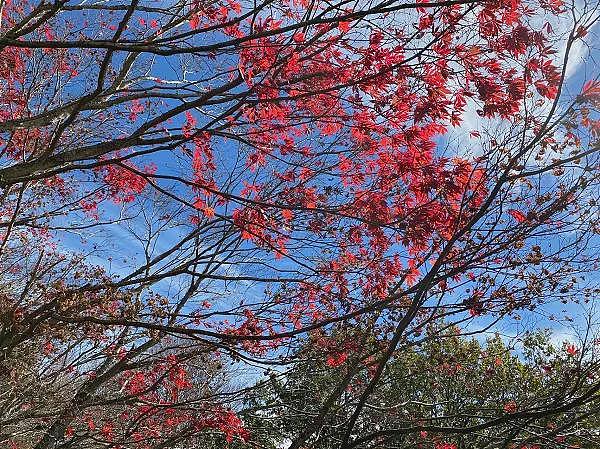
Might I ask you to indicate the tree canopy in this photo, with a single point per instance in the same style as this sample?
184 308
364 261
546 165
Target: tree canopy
447 393
337 193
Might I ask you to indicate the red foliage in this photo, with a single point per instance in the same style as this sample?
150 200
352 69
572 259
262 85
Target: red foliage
572 350
123 182
309 146
517 215
510 407
445 446
591 92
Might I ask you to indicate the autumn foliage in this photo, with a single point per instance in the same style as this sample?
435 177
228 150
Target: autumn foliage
193 191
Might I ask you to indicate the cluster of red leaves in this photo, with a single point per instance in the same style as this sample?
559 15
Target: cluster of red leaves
255 225
335 350
203 165
206 15
12 64
13 101
517 215
122 181
227 422
154 394
591 93
441 445
251 326
510 407
590 100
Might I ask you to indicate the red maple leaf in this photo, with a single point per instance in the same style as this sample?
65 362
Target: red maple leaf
517 215
344 27
590 92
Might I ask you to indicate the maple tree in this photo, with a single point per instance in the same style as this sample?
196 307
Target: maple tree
198 183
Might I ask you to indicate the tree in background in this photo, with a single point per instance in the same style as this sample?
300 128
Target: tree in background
189 186
446 393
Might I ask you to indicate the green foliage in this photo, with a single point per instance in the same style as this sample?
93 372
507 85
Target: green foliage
443 393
